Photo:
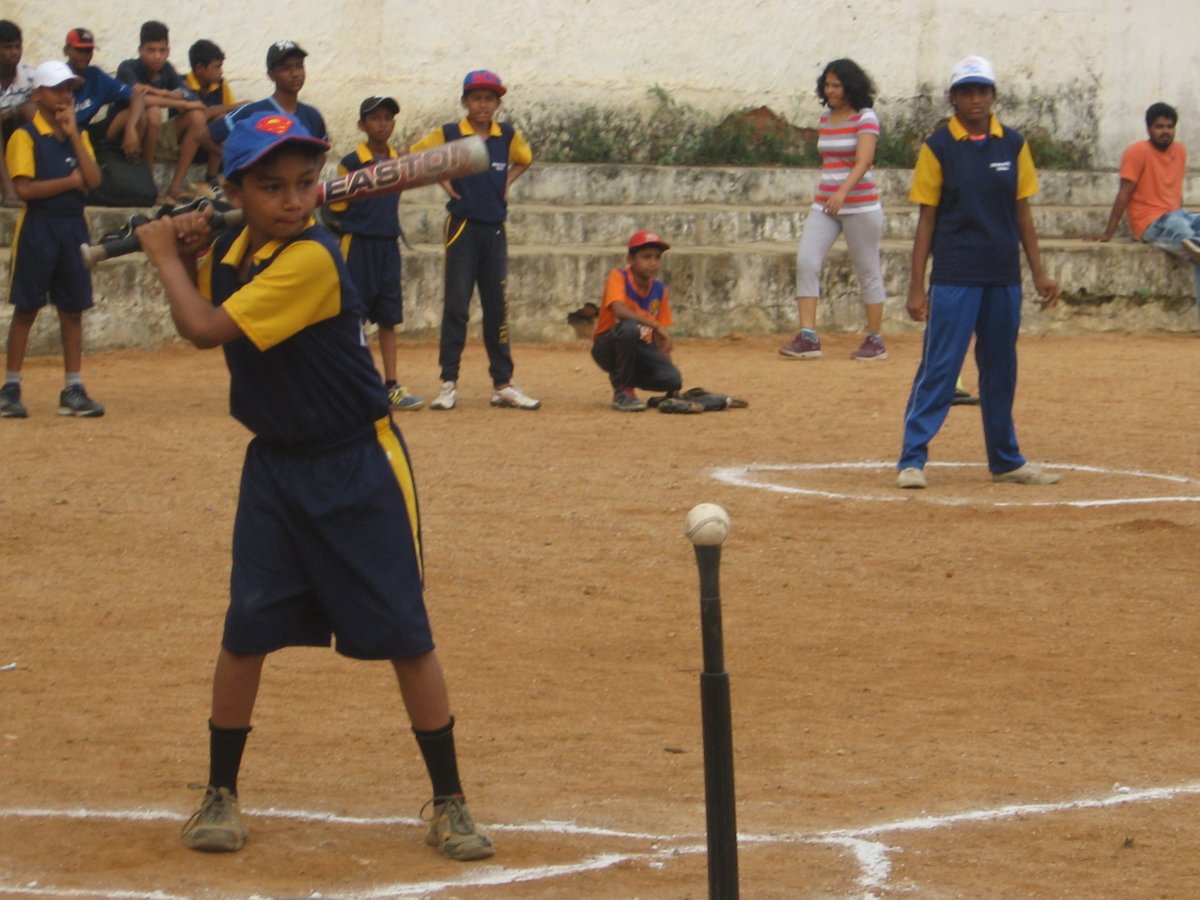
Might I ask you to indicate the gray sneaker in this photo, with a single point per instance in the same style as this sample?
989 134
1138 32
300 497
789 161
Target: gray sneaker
216 827
74 401
11 406
1027 474
452 831
911 478
1192 248
627 401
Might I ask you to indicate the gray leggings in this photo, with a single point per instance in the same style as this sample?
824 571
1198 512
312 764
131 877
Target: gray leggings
864 231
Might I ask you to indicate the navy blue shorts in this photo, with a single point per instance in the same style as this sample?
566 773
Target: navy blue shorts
46 265
374 265
329 546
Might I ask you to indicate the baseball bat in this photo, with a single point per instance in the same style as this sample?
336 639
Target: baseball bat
453 159
717 728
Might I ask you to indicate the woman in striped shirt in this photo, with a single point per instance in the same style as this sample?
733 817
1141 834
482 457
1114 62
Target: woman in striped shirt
846 202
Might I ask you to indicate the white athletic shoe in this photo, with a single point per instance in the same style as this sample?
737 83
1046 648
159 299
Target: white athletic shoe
1027 474
514 398
447 398
911 477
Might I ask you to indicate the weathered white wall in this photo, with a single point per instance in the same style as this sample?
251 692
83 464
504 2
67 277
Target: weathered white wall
1080 67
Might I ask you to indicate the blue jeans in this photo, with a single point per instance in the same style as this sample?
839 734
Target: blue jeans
1168 232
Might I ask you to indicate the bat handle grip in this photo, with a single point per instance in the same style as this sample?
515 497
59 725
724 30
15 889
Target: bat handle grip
92 254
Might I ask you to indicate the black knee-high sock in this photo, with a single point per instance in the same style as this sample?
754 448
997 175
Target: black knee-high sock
225 746
437 747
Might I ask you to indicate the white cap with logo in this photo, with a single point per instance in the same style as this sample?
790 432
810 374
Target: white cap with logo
972 70
53 73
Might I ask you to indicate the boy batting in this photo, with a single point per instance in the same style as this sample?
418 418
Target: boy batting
327 536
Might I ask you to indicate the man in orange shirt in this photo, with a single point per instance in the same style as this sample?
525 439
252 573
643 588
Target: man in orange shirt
1151 192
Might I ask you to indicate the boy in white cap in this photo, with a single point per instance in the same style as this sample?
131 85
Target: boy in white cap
973 181
52 164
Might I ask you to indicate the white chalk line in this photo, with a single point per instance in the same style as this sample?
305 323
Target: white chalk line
747 476
871 854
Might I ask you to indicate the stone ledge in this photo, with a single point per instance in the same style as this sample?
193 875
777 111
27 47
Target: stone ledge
716 290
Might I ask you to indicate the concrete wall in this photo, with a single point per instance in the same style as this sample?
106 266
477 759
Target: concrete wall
1085 69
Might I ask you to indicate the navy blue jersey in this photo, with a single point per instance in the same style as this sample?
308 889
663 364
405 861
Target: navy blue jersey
34 152
97 91
219 129
301 377
373 216
482 197
975 238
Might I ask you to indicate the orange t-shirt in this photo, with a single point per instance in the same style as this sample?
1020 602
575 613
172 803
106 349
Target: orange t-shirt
1158 182
620 288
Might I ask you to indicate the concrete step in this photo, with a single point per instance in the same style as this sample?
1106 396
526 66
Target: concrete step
715 290
712 225
708 224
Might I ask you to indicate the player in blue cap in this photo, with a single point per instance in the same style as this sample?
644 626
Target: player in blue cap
327 536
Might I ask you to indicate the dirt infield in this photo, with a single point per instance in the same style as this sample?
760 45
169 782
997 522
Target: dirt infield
948 693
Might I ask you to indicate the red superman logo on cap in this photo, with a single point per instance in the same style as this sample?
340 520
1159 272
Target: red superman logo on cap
274 124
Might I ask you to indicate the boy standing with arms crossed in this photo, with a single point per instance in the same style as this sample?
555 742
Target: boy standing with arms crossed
52 165
371 229
327 536
476 245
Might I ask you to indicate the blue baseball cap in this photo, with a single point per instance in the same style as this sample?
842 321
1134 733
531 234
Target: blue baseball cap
483 80
255 136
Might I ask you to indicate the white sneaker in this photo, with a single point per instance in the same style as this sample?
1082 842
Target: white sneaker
1027 474
911 477
514 398
1192 249
447 397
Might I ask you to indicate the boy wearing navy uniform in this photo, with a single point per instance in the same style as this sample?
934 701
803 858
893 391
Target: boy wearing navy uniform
371 229
973 180
285 68
476 245
631 342
98 89
52 164
327 537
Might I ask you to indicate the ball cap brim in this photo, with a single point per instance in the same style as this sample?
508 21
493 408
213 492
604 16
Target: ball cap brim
973 70
646 239
53 73
81 39
483 80
254 137
281 50
375 102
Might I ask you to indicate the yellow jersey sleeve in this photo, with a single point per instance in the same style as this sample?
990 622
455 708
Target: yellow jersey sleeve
1027 179
19 155
433 139
519 152
300 288
927 179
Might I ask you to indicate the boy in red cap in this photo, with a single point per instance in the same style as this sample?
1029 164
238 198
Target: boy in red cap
476 245
631 342
327 537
